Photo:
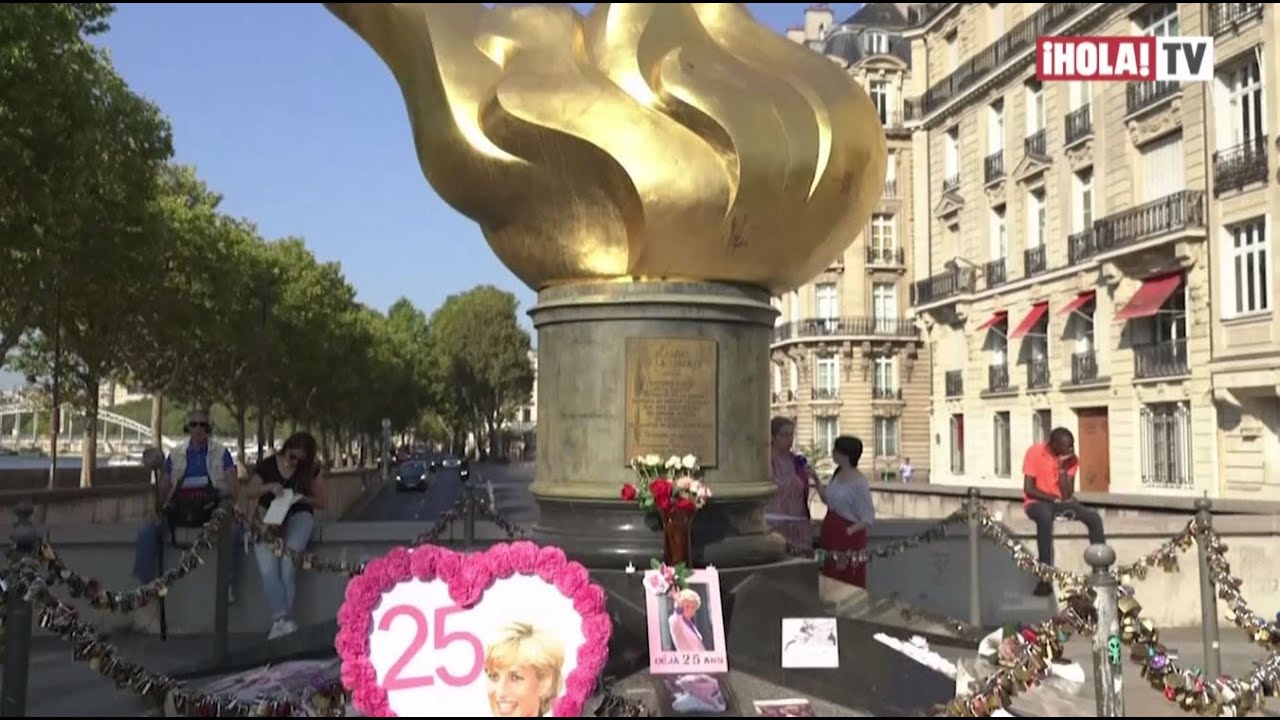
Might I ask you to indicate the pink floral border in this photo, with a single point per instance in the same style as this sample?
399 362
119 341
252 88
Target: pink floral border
468 576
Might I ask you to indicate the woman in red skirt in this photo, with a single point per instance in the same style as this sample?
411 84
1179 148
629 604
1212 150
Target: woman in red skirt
850 513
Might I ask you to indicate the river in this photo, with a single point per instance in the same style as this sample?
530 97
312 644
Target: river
35 462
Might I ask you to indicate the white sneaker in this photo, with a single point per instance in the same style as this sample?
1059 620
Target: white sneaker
288 627
277 629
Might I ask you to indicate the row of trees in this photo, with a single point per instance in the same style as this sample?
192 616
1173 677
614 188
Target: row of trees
119 265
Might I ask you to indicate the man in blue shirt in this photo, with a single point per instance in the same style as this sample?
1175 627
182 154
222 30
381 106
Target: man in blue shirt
187 469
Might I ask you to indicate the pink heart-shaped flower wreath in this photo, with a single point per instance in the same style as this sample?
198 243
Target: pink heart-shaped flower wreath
468 576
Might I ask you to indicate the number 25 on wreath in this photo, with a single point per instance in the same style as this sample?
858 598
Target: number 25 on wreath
443 640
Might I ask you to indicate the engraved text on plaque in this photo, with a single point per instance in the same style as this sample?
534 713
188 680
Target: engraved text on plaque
671 398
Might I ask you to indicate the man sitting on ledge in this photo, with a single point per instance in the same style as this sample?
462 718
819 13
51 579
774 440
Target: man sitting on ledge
1048 493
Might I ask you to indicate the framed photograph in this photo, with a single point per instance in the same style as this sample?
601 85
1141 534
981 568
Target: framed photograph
810 643
686 626
698 695
795 707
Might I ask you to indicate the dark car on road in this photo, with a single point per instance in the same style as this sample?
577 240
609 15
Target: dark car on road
412 475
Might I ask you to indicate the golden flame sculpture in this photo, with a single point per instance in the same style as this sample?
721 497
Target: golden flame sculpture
644 141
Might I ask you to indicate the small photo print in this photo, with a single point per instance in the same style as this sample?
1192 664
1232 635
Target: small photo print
695 694
795 707
686 627
810 643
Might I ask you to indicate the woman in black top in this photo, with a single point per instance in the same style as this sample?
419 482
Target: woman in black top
294 469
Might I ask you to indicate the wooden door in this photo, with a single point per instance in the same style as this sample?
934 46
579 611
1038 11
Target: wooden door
1094 448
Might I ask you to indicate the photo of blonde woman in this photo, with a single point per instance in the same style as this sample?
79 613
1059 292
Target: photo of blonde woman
683 623
524 671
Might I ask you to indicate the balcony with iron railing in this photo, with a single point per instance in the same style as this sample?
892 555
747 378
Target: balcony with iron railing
1017 41
993 167
1084 367
879 392
998 378
953 383
1161 360
857 327
825 393
1143 94
890 188
886 256
996 272
1240 166
1226 17
1077 125
1038 375
1033 261
782 396
1036 145
944 285
951 183
1165 216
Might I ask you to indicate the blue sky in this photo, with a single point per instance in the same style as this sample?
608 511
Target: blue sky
294 119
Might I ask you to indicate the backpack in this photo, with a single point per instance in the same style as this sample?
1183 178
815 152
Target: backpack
191 508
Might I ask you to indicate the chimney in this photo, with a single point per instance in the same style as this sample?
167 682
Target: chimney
818 19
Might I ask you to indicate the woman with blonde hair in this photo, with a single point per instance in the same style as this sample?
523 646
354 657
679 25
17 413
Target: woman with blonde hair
685 635
524 667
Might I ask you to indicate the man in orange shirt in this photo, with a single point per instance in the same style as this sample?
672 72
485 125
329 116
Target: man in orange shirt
1049 492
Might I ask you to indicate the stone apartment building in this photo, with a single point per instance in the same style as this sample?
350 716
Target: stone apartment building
847 356
1096 255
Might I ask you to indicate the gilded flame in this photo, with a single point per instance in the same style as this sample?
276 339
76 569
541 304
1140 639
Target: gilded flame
643 140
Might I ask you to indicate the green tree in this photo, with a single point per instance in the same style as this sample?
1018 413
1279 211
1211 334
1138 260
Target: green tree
49 77
480 356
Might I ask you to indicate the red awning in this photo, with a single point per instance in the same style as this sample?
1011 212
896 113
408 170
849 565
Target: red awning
1080 301
1037 311
994 320
1149 298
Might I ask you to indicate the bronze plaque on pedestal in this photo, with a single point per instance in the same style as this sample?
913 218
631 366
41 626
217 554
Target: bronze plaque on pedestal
671 398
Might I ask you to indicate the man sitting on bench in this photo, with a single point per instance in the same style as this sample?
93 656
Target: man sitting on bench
1048 493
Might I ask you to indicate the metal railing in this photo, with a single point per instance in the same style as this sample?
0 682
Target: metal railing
1225 17
1241 165
1163 359
1078 124
953 383
1033 261
1143 94
1178 211
1038 375
1036 145
824 393
993 166
944 285
900 327
886 256
997 378
996 272
1084 367
951 183
886 393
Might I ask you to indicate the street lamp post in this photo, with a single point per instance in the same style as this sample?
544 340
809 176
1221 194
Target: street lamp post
265 297
386 449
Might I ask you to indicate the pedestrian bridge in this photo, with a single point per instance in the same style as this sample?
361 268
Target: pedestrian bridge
23 424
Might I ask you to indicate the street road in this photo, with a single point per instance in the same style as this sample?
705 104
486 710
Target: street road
506 486
427 506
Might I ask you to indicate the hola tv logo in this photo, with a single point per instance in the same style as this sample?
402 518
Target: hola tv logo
1177 59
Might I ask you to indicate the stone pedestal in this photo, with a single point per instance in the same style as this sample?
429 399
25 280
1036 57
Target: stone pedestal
667 368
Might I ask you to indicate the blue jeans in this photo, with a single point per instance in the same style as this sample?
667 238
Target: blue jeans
146 551
279 575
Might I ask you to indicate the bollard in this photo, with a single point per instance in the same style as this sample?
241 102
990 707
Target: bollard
975 560
18 615
1108 674
1208 596
222 583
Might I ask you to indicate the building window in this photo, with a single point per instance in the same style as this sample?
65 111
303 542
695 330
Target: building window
876 42
884 306
951 49
886 432
1037 217
1078 94
884 236
826 376
793 375
1041 425
826 430
885 382
1160 20
880 97
1165 440
1000 444
957 444
827 299
1163 168
1248 277
777 379
793 305
995 127
1035 108
1083 186
891 176
952 157
526 415
999 235
1242 118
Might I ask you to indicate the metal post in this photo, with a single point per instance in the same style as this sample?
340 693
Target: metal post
1108 675
468 518
1208 595
264 358
386 449
221 602
975 559
17 627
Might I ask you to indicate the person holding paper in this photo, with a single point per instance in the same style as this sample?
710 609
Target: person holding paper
289 487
